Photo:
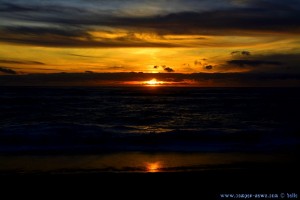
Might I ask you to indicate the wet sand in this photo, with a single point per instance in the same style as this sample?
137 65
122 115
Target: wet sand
142 175
137 175
197 184
141 162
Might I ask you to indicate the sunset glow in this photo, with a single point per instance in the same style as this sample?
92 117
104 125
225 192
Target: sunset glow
153 167
222 42
153 82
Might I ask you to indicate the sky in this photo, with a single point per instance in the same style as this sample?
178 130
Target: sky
211 38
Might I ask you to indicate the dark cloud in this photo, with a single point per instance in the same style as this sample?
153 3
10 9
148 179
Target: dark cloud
36 8
22 62
204 64
11 7
270 63
42 31
253 63
245 53
288 59
83 56
208 67
115 67
7 70
169 69
204 79
165 68
71 37
217 22
71 24
288 5
242 53
227 22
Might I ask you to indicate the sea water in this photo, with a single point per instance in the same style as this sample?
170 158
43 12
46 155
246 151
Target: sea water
153 121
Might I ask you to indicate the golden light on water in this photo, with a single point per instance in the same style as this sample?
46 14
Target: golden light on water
153 82
153 167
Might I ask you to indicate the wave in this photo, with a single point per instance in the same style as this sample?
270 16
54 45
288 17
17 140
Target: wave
82 138
48 119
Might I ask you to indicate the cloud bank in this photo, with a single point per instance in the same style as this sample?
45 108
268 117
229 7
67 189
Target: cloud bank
72 23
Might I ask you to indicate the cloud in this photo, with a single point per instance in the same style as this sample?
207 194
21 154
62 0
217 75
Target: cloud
38 8
245 21
202 79
169 69
208 67
165 68
253 63
61 31
116 67
204 64
200 62
83 56
22 62
69 24
241 53
73 37
233 21
266 63
245 53
13 7
72 23
7 70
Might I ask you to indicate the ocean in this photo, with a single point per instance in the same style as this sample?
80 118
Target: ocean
146 129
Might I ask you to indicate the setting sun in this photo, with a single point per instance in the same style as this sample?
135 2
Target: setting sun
153 167
153 82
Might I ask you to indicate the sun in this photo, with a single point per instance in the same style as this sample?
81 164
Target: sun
153 82
153 167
